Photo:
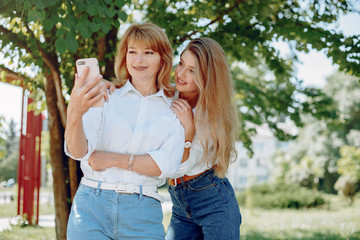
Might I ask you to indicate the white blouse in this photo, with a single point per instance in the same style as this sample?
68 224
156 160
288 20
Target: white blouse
194 164
132 123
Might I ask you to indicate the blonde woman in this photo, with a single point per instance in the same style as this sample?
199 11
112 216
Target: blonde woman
204 203
128 146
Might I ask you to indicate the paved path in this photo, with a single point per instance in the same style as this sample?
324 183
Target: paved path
49 220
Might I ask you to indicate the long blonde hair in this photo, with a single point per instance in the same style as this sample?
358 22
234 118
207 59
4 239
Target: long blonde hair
216 115
154 38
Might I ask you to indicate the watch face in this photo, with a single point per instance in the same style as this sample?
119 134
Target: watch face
187 144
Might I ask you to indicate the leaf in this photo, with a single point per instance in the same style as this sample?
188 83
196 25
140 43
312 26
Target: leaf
119 3
39 4
60 45
60 32
123 16
94 27
85 32
105 27
72 43
50 23
91 10
36 15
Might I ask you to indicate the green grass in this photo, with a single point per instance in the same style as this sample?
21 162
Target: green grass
336 221
28 233
10 209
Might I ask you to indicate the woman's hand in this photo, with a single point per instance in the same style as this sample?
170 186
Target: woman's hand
184 113
85 94
98 161
107 85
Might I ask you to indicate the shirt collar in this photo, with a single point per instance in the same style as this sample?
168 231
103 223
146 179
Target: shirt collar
129 87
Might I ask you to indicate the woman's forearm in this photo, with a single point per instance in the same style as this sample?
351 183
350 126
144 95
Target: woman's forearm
142 164
75 137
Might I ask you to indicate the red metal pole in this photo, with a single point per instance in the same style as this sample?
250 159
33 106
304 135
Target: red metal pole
29 166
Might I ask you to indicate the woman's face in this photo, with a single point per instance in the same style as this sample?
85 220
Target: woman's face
142 63
185 74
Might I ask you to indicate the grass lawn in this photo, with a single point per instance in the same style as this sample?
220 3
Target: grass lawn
337 221
28 233
10 209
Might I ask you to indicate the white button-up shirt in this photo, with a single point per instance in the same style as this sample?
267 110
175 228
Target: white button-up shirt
132 123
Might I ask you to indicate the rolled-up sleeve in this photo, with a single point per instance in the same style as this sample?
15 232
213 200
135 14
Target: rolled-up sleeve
92 123
195 156
168 157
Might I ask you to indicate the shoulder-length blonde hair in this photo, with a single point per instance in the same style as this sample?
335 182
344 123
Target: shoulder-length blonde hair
154 38
216 115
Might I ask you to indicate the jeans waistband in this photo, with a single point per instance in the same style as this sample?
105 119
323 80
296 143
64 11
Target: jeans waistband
204 174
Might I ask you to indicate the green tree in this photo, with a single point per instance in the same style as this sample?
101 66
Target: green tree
247 31
46 35
9 162
318 146
349 170
49 35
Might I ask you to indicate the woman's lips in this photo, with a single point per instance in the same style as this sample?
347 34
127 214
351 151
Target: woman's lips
140 68
180 82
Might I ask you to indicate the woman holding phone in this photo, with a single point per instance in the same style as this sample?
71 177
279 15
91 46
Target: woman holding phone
204 202
135 136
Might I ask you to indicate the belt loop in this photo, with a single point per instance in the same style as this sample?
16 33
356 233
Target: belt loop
182 180
97 192
140 193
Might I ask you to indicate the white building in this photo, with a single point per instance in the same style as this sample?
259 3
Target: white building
246 170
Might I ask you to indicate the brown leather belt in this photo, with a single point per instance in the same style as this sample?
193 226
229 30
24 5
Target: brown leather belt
174 182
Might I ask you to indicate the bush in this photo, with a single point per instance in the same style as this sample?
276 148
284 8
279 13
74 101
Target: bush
282 196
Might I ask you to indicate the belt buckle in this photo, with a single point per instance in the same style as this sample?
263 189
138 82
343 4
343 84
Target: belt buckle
174 180
124 188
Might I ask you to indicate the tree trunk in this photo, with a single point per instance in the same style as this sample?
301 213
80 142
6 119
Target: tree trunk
58 161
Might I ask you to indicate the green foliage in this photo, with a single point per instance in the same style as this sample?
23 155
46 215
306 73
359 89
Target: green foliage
317 148
9 146
267 90
346 186
58 32
349 163
283 196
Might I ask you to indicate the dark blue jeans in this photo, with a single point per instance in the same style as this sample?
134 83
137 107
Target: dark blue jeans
204 208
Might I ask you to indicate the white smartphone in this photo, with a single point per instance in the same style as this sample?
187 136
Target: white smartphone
94 71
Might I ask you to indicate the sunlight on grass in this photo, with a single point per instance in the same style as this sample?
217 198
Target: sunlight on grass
28 233
338 221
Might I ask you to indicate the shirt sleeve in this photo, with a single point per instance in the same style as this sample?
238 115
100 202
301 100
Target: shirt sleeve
92 122
169 156
195 156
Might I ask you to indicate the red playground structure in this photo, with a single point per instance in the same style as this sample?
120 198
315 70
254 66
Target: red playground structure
29 174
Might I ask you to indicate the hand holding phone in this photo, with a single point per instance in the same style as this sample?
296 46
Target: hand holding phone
94 71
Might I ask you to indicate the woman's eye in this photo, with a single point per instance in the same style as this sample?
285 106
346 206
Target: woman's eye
180 63
149 53
191 71
131 52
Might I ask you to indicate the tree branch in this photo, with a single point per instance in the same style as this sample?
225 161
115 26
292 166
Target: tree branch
55 76
17 40
213 21
12 76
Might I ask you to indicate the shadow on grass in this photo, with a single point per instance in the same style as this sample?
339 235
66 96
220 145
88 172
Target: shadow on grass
303 235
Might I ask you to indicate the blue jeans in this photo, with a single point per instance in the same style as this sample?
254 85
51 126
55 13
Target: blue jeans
204 208
105 214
